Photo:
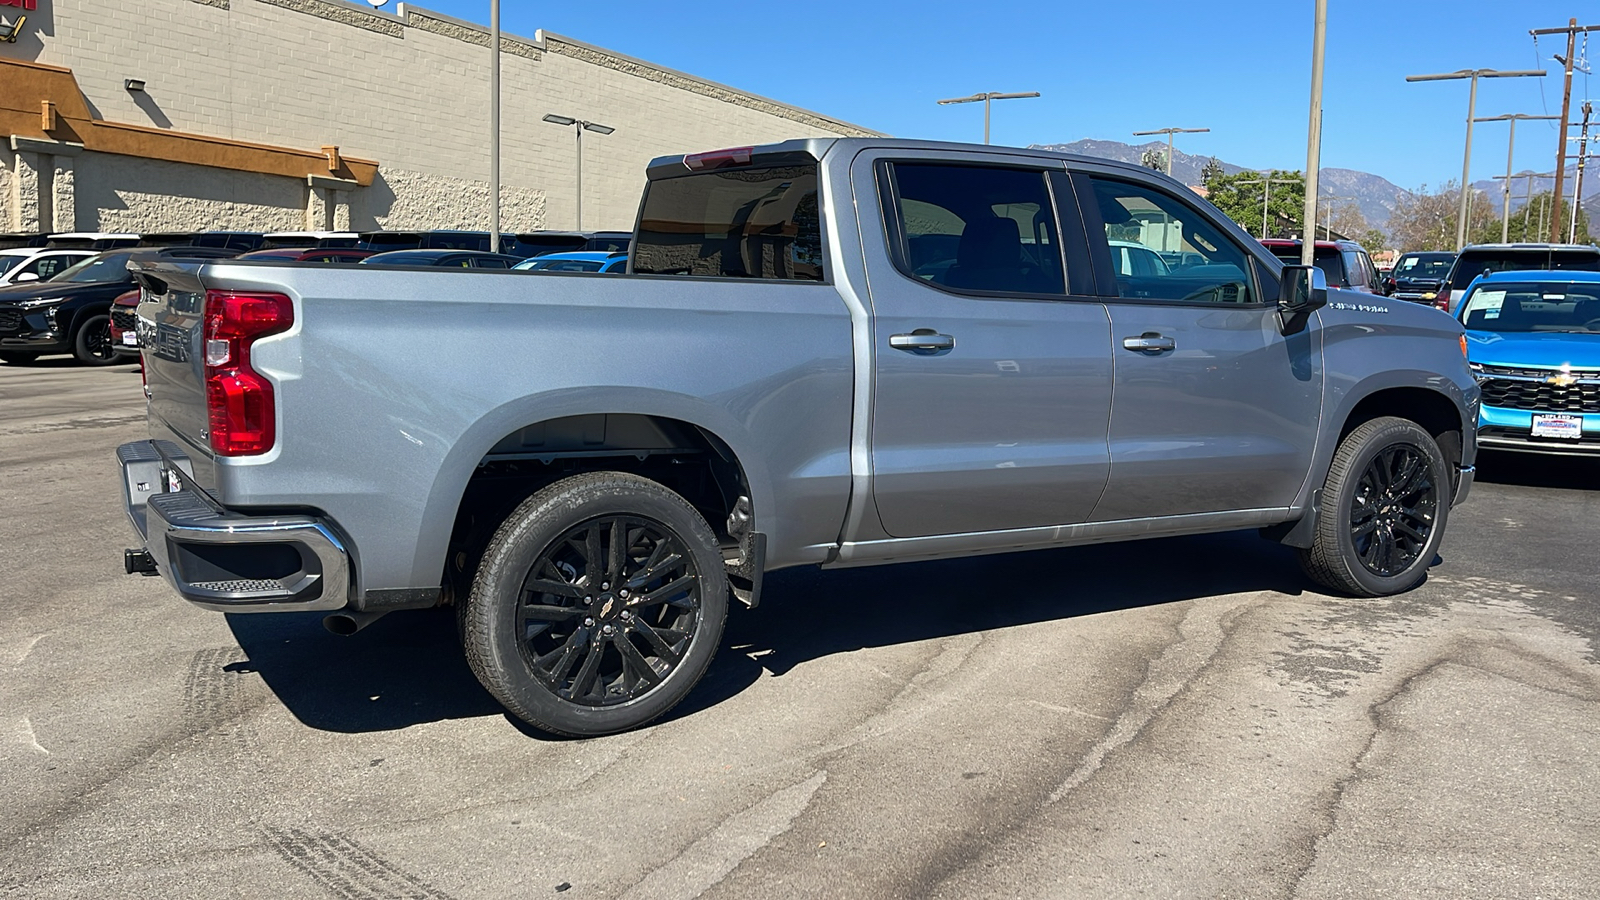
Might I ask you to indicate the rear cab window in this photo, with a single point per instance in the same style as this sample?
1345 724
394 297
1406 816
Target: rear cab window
972 228
760 222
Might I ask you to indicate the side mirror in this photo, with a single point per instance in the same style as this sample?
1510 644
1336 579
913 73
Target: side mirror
1304 289
26 277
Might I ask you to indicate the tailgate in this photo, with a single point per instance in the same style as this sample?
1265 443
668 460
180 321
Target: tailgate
171 315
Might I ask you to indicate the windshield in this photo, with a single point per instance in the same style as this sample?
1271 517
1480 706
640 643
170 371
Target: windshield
107 267
1327 259
1418 267
1533 307
7 263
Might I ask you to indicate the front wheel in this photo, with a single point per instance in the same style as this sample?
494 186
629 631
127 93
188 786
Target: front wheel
597 606
92 345
1383 510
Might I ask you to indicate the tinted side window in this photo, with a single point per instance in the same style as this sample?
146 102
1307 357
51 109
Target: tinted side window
49 267
1140 218
1352 265
735 223
972 228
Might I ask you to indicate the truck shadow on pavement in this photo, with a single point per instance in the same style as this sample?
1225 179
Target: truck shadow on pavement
407 669
1539 470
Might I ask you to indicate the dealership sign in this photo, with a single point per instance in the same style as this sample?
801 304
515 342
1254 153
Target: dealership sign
25 4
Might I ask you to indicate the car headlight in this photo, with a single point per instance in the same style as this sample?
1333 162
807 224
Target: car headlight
34 304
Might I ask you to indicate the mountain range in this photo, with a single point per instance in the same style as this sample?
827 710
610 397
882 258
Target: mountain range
1374 195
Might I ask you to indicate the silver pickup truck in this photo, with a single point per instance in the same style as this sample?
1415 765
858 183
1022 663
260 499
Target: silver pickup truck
824 353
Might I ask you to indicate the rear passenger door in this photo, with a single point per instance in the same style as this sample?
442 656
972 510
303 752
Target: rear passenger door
1215 408
992 358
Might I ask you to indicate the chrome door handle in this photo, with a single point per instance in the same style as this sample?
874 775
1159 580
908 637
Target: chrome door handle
922 339
1149 342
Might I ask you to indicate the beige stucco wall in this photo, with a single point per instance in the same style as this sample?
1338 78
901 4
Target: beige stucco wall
408 89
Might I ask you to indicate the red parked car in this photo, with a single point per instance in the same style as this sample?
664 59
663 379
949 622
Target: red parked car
125 324
1346 263
313 254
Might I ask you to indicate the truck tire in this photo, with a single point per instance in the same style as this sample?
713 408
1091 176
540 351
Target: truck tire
578 639
18 359
91 345
1383 510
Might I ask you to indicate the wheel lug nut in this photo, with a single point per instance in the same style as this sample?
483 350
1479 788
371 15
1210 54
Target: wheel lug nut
607 630
588 623
587 600
626 615
623 593
605 585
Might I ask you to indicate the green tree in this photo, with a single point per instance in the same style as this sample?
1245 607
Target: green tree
1153 159
1240 196
1210 171
1531 223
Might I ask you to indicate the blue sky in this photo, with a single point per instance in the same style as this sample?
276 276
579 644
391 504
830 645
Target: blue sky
1108 69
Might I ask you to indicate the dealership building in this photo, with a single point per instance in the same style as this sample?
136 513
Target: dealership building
287 115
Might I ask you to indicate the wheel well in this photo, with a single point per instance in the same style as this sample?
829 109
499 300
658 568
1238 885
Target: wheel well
682 456
1432 410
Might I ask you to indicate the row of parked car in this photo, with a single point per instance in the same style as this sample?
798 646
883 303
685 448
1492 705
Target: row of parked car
73 294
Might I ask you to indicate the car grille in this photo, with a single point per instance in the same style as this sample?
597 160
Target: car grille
1531 389
10 321
125 320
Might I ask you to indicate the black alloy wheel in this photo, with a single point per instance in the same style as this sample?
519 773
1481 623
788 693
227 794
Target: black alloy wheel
597 605
608 610
1382 511
92 345
1393 511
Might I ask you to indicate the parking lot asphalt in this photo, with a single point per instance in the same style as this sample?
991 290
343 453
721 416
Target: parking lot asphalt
1172 718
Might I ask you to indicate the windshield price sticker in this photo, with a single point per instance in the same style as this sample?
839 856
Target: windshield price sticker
1565 427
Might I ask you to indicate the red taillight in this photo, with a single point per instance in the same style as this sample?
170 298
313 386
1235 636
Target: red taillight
1443 300
238 398
719 159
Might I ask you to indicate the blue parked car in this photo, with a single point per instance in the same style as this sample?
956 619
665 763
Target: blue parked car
1533 341
577 261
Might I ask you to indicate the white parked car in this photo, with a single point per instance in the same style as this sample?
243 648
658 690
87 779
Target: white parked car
25 264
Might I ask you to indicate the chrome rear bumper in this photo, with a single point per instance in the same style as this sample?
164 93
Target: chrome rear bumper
223 561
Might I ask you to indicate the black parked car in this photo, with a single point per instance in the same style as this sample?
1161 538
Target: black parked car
1418 277
1482 259
71 313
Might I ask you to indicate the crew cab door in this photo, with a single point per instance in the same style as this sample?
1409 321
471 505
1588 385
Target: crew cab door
1216 409
992 359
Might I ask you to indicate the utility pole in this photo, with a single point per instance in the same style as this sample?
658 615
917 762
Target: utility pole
1577 185
1572 31
1505 189
1169 132
1466 159
1327 229
1266 183
986 97
1319 43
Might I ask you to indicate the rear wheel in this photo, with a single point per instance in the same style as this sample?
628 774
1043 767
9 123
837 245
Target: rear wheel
1384 507
17 359
597 606
92 344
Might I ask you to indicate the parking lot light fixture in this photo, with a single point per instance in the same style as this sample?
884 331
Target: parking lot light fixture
987 97
578 126
1169 132
1472 103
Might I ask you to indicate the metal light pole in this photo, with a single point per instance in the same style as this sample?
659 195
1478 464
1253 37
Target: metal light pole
1511 147
1169 132
986 98
1319 43
494 126
579 127
1472 102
